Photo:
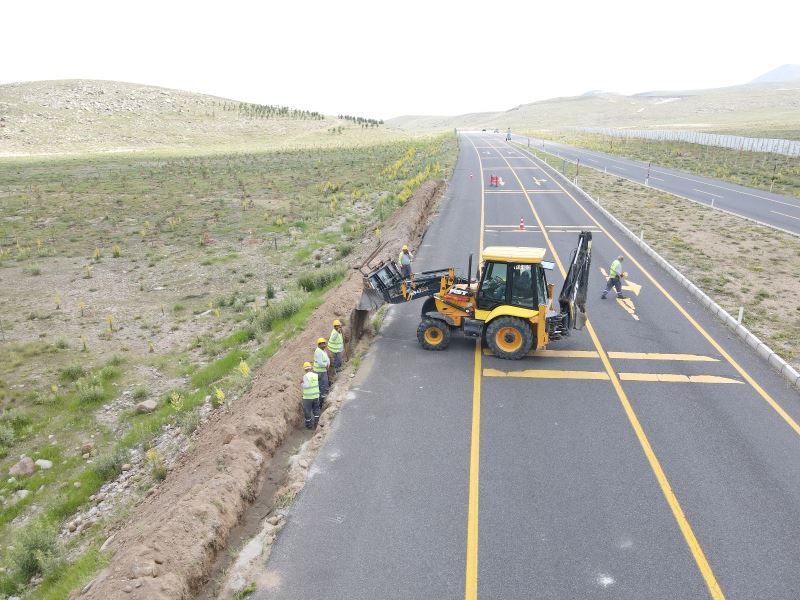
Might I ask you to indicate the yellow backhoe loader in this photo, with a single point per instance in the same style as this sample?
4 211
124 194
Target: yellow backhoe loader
509 304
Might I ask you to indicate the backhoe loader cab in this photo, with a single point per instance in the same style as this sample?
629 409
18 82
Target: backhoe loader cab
511 306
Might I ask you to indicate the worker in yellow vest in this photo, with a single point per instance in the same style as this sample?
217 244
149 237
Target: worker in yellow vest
404 261
336 345
321 363
615 275
310 388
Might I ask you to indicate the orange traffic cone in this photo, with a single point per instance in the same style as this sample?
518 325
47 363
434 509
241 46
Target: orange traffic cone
521 224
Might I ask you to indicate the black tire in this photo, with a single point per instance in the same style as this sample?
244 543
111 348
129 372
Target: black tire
433 334
509 337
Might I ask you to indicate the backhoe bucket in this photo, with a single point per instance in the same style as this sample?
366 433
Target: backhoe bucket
371 300
573 295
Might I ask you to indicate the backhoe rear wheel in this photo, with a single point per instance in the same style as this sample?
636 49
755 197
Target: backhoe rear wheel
433 334
509 337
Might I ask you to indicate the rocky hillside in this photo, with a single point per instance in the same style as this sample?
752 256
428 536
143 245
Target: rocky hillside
76 116
760 109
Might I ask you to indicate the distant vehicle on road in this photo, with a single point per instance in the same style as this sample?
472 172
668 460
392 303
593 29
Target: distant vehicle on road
497 131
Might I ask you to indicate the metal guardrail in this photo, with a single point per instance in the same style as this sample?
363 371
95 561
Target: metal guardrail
736 142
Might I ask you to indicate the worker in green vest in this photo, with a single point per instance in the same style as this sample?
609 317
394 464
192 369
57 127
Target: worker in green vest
404 261
310 388
321 363
336 345
615 275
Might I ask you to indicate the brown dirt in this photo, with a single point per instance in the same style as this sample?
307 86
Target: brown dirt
168 546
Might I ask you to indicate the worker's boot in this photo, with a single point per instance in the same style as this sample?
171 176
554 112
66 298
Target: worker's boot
621 296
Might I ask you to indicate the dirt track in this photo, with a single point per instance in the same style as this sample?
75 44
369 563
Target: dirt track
168 546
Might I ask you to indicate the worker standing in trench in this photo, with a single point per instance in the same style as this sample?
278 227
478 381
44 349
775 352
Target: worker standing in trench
336 345
310 387
321 363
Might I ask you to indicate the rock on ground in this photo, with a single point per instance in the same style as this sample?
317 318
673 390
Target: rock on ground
23 467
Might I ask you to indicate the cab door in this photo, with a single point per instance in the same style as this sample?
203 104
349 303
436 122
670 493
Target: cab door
494 287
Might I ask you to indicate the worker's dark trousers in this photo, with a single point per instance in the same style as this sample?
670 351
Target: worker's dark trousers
615 283
337 360
323 385
405 271
311 412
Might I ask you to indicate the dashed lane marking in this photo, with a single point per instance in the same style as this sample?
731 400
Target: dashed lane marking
604 376
660 356
784 215
676 378
709 193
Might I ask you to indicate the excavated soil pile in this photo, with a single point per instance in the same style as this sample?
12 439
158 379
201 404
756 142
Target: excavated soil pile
167 548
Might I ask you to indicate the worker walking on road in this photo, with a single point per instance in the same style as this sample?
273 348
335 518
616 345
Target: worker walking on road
615 275
321 363
405 261
310 388
336 345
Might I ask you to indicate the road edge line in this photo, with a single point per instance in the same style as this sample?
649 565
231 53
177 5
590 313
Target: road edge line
779 365
471 570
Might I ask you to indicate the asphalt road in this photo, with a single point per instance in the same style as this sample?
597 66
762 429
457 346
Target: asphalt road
650 455
775 210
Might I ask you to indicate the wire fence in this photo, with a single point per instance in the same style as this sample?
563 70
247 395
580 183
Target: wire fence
736 142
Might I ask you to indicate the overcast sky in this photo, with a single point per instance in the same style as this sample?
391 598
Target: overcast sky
383 59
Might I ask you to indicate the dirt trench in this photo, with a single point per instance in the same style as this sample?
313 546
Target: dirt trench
167 548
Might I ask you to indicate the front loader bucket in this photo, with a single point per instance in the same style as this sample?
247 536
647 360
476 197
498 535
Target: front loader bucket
371 300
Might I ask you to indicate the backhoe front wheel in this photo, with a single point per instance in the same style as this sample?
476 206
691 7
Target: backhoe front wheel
509 337
433 334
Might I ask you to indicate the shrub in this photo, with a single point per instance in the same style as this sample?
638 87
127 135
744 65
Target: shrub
72 372
116 360
344 249
265 318
270 291
110 372
90 391
36 550
189 421
6 435
108 466
15 418
319 279
140 393
62 344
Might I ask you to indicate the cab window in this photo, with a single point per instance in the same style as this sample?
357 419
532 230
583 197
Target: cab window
493 285
522 286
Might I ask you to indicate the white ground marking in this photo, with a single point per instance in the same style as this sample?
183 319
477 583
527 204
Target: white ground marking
604 580
784 215
705 192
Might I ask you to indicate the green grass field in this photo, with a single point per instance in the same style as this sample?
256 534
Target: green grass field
133 277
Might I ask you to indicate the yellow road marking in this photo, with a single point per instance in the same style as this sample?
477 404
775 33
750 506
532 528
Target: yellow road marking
471 583
655 465
660 356
629 307
547 374
555 353
471 569
737 367
676 378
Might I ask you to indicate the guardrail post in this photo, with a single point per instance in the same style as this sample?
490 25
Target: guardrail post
741 314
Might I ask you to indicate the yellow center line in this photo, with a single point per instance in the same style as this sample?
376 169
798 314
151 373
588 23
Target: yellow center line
471 568
655 465
745 375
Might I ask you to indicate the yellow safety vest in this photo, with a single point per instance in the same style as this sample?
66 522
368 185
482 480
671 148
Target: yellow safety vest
335 342
321 360
310 386
613 271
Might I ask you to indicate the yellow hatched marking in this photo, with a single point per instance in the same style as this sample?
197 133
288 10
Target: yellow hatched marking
547 374
555 353
676 378
660 356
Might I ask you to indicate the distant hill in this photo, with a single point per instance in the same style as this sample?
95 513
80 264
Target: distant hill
782 73
80 116
760 109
